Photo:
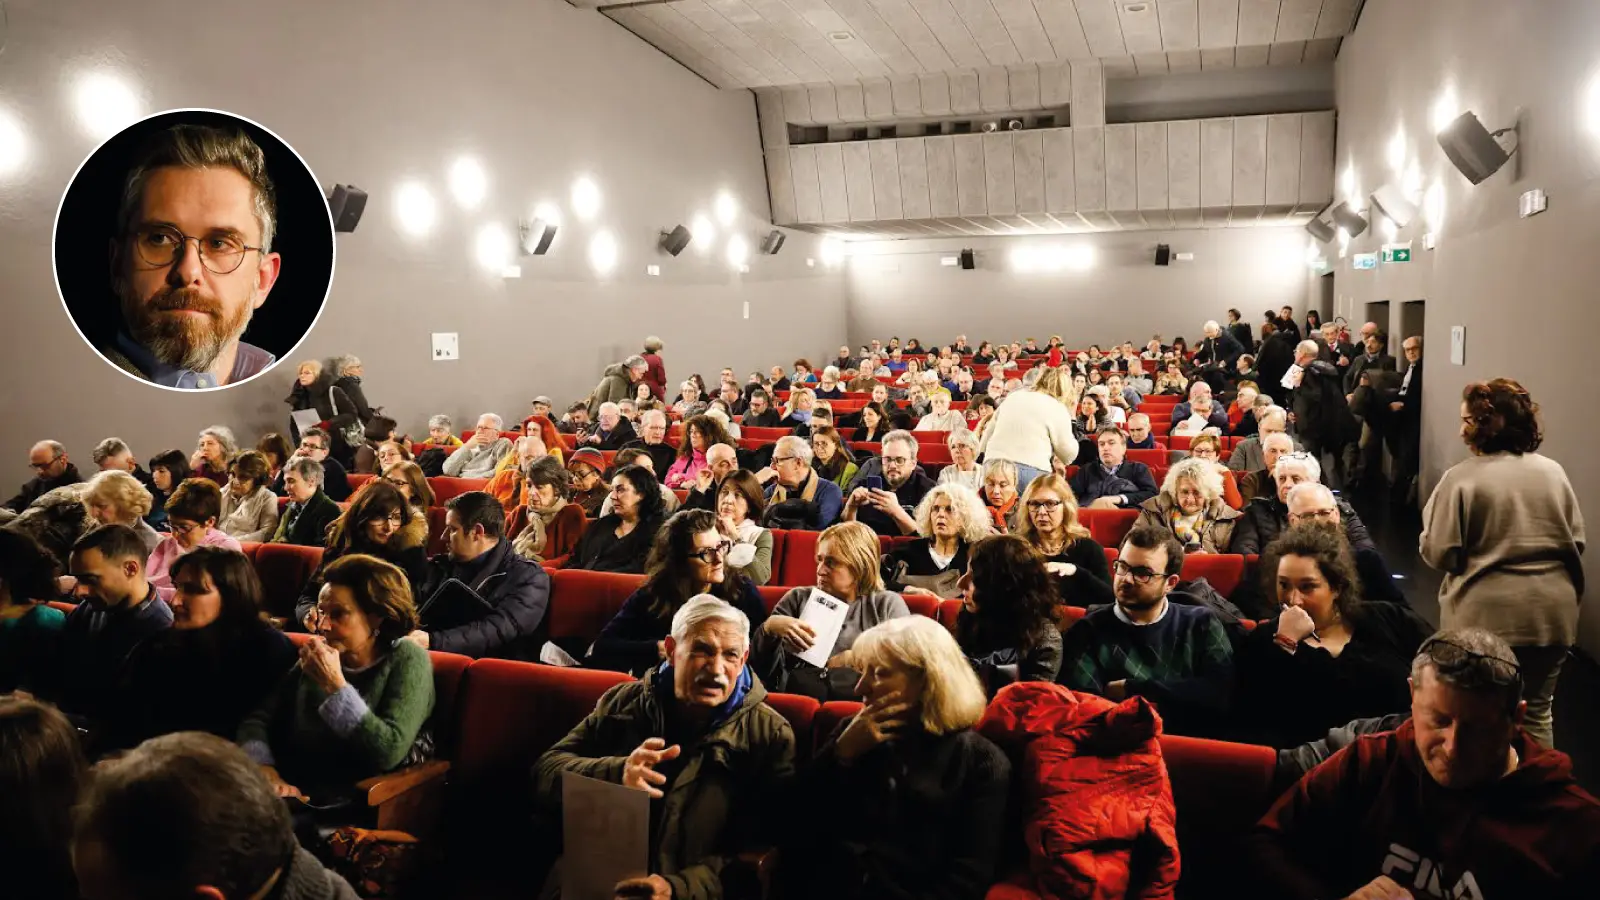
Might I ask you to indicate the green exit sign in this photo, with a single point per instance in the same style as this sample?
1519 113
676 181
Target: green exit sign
1397 254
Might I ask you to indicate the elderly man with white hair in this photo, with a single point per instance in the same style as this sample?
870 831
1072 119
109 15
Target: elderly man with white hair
1313 504
479 454
611 431
1266 517
1197 388
886 490
797 496
1217 353
722 460
652 430
695 735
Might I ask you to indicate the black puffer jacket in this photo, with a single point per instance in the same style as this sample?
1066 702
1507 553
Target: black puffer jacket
510 626
1320 411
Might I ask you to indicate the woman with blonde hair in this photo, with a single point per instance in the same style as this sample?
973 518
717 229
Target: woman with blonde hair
950 519
1033 428
848 570
797 411
1190 508
117 498
1049 522
913 737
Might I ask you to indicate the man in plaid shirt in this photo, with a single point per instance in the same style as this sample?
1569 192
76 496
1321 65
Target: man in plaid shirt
1177 656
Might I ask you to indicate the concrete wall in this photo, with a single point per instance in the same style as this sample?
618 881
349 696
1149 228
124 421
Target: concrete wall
1523 288
539 92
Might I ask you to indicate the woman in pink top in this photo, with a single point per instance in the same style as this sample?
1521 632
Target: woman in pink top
699 433
192 511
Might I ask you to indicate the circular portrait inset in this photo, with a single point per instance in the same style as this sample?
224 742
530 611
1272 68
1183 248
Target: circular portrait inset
194 250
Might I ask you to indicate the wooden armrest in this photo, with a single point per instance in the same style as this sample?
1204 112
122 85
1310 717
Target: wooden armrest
380 789
762 864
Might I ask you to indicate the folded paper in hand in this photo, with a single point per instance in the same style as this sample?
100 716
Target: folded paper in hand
825 614
606 837
1291 378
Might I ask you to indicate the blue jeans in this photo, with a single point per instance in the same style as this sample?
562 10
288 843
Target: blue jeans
1026 475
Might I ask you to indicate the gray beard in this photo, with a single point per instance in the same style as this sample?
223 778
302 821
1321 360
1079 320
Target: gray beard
177 342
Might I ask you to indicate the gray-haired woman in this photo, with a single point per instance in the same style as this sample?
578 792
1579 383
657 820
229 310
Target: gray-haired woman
348 404
213 452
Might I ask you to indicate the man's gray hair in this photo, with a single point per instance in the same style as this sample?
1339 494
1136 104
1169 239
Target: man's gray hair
608 405
1488 665
1309 348
499 423
1272 413
108 448
224 436
635 362
1311 487
791 445
342 364
1313 467
203 147
650 415
830 373
1275 436
307 468
704 609
440 421
1032 376
903 436
1198 387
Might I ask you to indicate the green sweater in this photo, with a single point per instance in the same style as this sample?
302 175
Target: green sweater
366 728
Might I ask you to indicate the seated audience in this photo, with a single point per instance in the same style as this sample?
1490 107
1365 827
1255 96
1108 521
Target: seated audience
1191 509
637 457
478 456
1171 382
42 774
1242 411
871 423
653 440
759 413
29 626
1204 414
356 703
589 488
940 416
213 451
192 512
1120 388
1174 655
114 455
381 524
1327 657
886 490
1258 482
740 509
249 507
1139 436
1000 492
506 485
214 666
1267 516
798 411
480 598
1208 447
688 403
576 420
189 815
1138 380
52 469
548 526
314 443
1091 416
848 569
1457 802
408 479
829 387
310 511
927 793
117 609
963 469
619 541
167 470
699 434
714 774
829 457
441 434
797 496
688 559
1315 504
1047 520
1109 481
1007 624
722 460
115 497
950 519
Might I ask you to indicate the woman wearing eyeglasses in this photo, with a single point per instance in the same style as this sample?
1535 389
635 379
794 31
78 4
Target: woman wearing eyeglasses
249 507
409 479
689 558
1049 522
1190 507
192 512
1327 657
379 523
548 525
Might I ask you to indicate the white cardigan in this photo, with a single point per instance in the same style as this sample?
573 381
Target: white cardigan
1030 429
250 518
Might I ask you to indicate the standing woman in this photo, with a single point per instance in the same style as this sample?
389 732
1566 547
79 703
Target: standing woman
1505 529
1033 428
348 403
213 452
310 392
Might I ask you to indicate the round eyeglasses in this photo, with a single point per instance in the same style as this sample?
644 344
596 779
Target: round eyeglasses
161 245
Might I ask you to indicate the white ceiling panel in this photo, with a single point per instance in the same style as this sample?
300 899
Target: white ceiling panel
1288 53
1216 58
983 22
1102 28
1180 24
1026 30
1258 22
951 33
1141 27
1337 18
1219 24
911 29
1061 25
1297 20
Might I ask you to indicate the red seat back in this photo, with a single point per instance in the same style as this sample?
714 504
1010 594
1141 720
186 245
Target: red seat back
436 543
448 671
1108 526
444 487
949 611
582 602
284 571
512 712
799 559
1220 789
1067 616
765 435
1151 458
356 481
922 605
771 594
801 713
1224 571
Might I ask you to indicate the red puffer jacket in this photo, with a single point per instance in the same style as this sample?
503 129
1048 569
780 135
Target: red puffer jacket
1098 817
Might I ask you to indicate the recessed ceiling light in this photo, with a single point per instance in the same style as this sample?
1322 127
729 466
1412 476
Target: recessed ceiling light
1134 9
840 36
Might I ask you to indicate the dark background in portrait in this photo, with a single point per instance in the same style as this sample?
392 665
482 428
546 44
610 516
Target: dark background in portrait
88 223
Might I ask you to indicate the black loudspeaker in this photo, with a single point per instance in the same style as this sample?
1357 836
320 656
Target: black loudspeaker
772 243
346 202
675 240
969 260
1321 230
1348 219
1163 255
1472 148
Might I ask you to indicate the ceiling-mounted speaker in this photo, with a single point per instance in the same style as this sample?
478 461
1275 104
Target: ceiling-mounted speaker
1473 149
1348 219
675 240
1391 201
346 202
1321 230
534 238
772 243
1163 255
969 260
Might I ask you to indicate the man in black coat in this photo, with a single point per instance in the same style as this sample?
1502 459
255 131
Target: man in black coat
51 468
1274 359
481 599
1375 358
1362 382
1108 481
653 440
1217 355
889 508
1322 416
1405 419
1240 330
759 413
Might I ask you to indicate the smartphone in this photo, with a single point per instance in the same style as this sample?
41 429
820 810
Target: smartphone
874 482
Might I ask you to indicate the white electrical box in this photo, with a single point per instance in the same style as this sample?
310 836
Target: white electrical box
1458 345
446 346
1531 203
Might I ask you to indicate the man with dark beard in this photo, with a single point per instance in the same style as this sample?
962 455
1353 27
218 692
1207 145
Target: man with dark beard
184 309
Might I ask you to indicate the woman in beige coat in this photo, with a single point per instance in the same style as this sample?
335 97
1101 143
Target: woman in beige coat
1190 506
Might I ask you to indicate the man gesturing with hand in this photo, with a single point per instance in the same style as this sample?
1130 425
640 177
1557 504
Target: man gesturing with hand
696 736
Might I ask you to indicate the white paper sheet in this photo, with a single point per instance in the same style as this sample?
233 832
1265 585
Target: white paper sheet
1291 378
606 835
825 614
305 418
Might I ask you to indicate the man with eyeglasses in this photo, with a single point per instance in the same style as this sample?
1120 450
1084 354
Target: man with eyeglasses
51 469
1266 517
1313 504
721 461
653 441
480 598
315 444
1177 656
797 496
1457 802
885 492
193 259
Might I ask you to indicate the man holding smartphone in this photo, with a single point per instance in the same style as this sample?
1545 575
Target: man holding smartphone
887 489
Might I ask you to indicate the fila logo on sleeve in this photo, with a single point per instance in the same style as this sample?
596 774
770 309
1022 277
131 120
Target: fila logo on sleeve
1410 870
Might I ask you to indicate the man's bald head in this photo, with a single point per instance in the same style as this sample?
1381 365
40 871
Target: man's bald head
1198 389
721 459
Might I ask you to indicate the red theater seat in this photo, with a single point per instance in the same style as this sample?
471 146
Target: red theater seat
799 559
1109 526
771 594
436 543
445 487
1151 458
284 571
1224 571
801 713
356 481
582 602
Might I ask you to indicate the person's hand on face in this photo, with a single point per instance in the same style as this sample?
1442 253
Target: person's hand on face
320 662
878 722
1381 888
1295 623
639 772
649 887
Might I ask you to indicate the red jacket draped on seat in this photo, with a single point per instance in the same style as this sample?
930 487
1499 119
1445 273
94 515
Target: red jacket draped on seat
1098 817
